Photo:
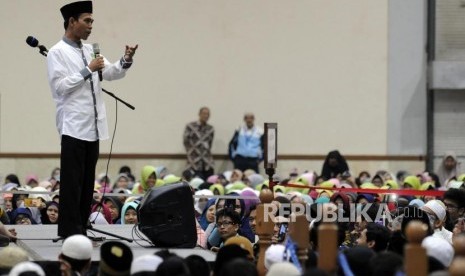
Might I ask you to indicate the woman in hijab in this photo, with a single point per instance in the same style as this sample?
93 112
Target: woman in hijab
341 199
251 201
122 181
18 199
162 171
208 214
115 208
12 178
236 176
129 213
22 216
201 202
217 189
148 180
335 165
100 214
378 180
449 168
49 214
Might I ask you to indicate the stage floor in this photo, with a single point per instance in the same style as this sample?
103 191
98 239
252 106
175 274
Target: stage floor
37 241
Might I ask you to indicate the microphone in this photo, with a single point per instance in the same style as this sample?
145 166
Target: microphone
33 42
96 48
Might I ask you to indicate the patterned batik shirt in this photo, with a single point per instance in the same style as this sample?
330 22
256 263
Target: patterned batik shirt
198 141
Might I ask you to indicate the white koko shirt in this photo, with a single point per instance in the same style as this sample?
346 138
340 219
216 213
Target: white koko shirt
69 81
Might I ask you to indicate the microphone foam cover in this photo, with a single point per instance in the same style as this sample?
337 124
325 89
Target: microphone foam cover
32 41
96 48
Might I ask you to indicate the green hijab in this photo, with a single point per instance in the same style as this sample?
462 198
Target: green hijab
146 172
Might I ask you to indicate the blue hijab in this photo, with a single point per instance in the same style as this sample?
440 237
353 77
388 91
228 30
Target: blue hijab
203 217
22 211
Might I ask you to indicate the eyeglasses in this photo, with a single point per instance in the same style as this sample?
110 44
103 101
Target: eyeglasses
224 224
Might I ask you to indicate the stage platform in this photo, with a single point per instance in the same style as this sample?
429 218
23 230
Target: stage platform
37 241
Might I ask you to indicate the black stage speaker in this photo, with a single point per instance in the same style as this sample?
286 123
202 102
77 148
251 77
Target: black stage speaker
166 216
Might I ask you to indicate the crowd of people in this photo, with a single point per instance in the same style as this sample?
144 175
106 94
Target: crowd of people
228 226
371 211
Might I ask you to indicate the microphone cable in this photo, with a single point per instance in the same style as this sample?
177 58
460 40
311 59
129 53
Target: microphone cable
135 231
100 204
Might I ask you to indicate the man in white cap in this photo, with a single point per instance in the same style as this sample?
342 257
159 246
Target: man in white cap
439 249
145 264
436 211
283 268
275 254
27 268
75 256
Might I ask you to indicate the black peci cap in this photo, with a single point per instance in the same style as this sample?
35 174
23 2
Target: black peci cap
76 8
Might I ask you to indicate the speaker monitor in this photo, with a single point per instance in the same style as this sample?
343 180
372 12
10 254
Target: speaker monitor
166 216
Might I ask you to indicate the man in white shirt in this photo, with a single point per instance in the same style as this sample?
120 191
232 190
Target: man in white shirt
436 211
81 117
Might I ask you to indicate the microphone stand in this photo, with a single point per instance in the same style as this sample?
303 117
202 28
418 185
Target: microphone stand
89 227
118 99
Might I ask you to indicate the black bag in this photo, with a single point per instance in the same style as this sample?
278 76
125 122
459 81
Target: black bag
233 144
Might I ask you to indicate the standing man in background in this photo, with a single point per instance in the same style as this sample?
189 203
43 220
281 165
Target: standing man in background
246 146
80 117
198 140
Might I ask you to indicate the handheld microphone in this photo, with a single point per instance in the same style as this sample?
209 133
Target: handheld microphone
96 48
33 42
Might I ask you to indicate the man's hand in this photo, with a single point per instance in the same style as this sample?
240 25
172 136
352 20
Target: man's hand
459 227
129 52
12 232
96 64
